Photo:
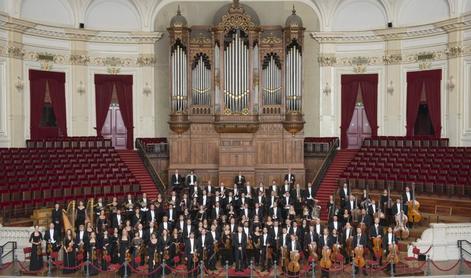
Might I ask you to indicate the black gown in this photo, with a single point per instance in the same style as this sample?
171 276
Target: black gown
93 258
81 217
36 262
151 250
69 257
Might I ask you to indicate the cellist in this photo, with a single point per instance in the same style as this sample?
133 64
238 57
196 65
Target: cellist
376 233
347 242
359 240
389 240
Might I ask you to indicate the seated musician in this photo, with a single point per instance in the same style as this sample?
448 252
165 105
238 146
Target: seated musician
359 240
326 239
335 224
389 239
376 231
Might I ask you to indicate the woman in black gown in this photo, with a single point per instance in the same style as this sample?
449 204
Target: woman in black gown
114 246
69 252
123 252
153 256
36 239
92 254
81 216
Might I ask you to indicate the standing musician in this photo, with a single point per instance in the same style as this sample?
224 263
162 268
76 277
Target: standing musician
376 231
192 254
177 181
266 245
52 239
344 194
56 216
36 261
239 243
239 180
389 242
359 240
191 179
290 178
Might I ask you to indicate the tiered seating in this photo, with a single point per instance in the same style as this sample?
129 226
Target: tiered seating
36 177
318 144
70 142
154 145
403 141
438 170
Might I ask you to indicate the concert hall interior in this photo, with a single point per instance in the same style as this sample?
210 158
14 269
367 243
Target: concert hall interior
253 138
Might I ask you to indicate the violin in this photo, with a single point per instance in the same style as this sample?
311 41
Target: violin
413 208
359 259
39 249
195 258
326 262
377 247
293 265
393 256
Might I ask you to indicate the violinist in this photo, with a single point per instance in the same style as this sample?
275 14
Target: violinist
69 252
214 238
206 246
81 241
52 239
36 239
192 254
153 255
92 255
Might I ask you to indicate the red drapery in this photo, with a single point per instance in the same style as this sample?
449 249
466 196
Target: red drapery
56 81
431 79
369 89
104 90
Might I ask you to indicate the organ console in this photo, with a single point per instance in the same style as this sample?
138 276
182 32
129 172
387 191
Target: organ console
232 83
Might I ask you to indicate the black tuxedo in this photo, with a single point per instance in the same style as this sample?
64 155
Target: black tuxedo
290 178
114 221
323 242
240 255
208 242
56 216
214 214
339 226
177 182
191 179
344 235
386 241
169 227
297 246
366 219
374 233
343 196
276 215
239 181
362 240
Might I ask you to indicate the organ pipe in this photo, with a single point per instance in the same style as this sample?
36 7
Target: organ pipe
179 78
201 82
293 79
271 82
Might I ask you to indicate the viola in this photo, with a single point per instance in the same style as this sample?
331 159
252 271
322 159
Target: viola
326 262
359 259
377 247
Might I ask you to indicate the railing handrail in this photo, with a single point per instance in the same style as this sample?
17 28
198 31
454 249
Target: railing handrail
460 246
13 248
154 175
325 164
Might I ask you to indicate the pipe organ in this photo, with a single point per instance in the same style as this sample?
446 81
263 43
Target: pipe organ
236 89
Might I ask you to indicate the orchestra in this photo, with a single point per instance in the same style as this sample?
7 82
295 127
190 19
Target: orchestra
218 225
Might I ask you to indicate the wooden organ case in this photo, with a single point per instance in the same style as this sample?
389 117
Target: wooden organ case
236 97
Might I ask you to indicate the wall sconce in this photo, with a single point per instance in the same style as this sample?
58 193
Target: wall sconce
147 90
327 88
390 87
450 83
81 88
19 84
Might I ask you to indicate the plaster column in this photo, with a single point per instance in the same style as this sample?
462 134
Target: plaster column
394 122
146 90
79 93
327 116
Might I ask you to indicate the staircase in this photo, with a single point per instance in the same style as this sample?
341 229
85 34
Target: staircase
330 182
136 166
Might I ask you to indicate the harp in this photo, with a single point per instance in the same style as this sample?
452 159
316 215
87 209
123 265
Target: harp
68 216
90 210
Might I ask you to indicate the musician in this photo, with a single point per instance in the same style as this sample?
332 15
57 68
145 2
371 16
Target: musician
335 224
52 239
309 193
376 231
259 211
239 243
99 207
298 232
286 202
136 218
36 261
153 255
285 188
195 191
188 229
214 239
205 242
81 240
284 238
191 179
191 253
273 189
248 191
92 254
266 242
351 204
318 227
344 193
239 180
359 240
143 201
398 207
372 208
294 245
69 252
205 200
325 239
81 215
365 218
177 181
56 216
129 204
389 239
310 237
407 196
347 240
275 212
290 178
117 220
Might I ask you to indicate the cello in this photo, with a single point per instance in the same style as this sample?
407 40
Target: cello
326 262
377 247
293 265
358 259
401 230
393 256
312 252
413 208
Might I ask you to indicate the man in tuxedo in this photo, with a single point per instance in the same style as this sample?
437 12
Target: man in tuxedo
165 225
351 204
360 240
177 181
348 233
239 180
365 218
335 224
117 220
398 207
407 196
290 178
294 244
389 240
192 251
191 179
205 244
275 212
56 216
188 229
344 194
376 231
266 242
239 244
52 237
325 239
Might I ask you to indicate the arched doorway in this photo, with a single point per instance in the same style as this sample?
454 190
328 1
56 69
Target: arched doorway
359 128
114 128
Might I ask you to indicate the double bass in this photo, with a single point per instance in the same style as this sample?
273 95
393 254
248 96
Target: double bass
413 208
336 251
326 262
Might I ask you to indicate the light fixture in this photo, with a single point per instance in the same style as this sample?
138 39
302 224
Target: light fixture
450 83
390 87
19 84
147 89
81 88
327 88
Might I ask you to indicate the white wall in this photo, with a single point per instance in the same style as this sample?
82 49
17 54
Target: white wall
50 11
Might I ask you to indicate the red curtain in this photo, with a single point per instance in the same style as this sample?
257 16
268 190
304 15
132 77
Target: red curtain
104 90
369 92
56 81
57 93
431 79
349 92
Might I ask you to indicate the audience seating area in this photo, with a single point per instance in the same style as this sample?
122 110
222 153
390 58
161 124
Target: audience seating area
318 144
401 141
434 170
40 176
70 142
